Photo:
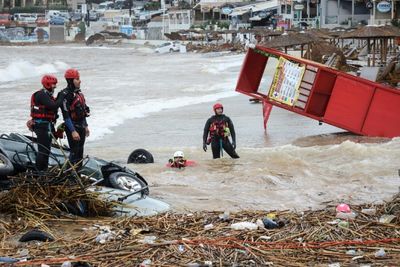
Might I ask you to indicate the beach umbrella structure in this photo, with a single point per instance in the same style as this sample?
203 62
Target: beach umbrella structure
378 35
292 39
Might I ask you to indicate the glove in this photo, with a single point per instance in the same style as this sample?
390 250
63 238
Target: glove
234 144
87 111
205 147
30 124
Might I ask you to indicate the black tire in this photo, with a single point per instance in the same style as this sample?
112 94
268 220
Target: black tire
140 156
6 166
171 50
127 181
36 235
79 208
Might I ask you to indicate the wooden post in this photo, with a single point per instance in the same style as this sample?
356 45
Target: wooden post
373 53
368 51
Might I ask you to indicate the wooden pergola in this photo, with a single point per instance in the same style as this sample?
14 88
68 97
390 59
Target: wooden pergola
379 35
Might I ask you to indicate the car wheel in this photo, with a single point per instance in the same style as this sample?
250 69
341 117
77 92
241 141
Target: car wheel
6 166
140 156
126 181
171 50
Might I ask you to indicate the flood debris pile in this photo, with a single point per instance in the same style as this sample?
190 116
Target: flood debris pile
52 195
207 48
367 234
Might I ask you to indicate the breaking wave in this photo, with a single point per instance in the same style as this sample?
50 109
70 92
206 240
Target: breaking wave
118 113
22 69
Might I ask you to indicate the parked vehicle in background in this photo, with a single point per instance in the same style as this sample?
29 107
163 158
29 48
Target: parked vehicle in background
25 17
168 47
93 15
57 13
52 13
41 20
76 16
104 6
57 20
5 19
122 4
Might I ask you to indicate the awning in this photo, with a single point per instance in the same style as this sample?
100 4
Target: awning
268 5
239 12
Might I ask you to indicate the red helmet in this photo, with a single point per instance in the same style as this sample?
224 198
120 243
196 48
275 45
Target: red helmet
48 81
218 105
71 74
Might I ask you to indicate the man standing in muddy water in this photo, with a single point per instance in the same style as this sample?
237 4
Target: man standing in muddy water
44 109
217 130
75 111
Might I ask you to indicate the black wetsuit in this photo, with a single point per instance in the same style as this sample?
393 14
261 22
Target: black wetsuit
44 127
217 140
78 124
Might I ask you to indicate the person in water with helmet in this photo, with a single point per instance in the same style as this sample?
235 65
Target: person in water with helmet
217 130
179 161
75 111
44 108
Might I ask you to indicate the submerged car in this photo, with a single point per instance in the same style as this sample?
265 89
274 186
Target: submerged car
168 48
114 182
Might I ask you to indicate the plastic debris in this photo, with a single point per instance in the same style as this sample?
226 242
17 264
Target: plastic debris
380 253
44 265
346 216
336 264
344 224
8 260
351 252
270 224
369 211
264 237
224 216
208 226
386 218
271 216
103 238
181 248
244 226
260 224
66 264
145 263
208 263
343 208
148 239
357 258
334 222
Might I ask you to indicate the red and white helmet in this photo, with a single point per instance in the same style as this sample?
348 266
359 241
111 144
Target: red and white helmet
71 74
218 105
48 81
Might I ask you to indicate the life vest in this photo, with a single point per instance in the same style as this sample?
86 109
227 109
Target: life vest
78 107
40 111
219 128
181 164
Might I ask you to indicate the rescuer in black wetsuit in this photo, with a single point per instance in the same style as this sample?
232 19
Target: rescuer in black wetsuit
75 111
44 109
217 130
